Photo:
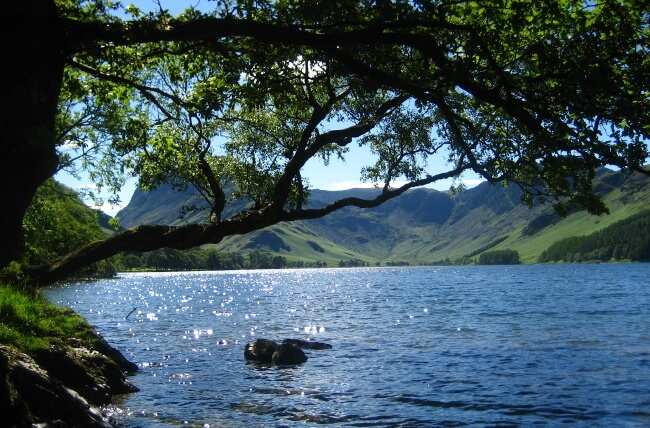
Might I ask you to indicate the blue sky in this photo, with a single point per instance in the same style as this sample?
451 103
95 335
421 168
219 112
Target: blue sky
337 175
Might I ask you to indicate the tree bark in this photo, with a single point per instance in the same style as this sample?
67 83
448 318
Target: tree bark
33 72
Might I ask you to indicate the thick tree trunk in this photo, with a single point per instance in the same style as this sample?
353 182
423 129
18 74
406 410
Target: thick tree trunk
33 70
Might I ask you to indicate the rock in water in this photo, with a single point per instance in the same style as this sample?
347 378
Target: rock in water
269 352
286 353
307 344
260 351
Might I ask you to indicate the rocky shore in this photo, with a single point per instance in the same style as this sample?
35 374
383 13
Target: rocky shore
50 379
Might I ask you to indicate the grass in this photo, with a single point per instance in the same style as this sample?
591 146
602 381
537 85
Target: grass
32 323
577 224
297 238
481 226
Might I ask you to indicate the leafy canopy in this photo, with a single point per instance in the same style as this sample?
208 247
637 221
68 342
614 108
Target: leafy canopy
535 93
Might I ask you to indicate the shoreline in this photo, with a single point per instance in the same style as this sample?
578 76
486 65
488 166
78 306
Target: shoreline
592 262
55 368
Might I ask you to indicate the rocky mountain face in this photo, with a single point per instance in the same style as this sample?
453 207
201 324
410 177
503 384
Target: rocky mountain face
421 226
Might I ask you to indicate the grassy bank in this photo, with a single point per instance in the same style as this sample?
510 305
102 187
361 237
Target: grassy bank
31 323
54 368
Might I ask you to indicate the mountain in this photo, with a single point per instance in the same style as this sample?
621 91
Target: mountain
421 226
58 222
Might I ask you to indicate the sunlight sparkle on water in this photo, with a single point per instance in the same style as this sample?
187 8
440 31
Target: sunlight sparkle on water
416 347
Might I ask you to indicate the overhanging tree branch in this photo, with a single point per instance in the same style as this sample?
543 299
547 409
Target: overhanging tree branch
87 33
341 137
146 91
455 73
314 213
147 238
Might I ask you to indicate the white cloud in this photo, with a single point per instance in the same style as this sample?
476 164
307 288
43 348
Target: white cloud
315 68
472 182
108 208
74 145
87 186
68 146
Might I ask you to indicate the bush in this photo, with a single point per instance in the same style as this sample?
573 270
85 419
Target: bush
499 257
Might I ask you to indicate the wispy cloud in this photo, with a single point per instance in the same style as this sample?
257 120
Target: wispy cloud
87 186
108 208
472 182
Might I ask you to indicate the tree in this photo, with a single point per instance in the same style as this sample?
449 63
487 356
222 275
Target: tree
499 257
539 94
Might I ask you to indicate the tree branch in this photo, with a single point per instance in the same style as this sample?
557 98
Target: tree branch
300 156
461 78
314 213
454 73
148 238
146 91
218 202
84 33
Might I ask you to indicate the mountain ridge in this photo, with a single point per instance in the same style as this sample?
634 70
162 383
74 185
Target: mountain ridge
421 226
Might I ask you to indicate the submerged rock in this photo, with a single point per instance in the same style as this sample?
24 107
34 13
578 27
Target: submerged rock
288 352
308 344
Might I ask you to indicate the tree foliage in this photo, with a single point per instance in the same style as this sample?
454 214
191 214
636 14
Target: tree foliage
539 94
207 259
499 257
57 223
529 92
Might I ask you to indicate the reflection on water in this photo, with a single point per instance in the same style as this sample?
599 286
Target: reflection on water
412 346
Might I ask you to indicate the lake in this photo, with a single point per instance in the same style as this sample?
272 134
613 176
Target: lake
412 347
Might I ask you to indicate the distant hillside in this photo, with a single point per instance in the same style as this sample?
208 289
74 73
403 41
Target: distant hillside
627 239
170 206
58 222
161 206
421 226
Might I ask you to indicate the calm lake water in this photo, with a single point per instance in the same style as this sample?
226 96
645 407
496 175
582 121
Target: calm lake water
413 347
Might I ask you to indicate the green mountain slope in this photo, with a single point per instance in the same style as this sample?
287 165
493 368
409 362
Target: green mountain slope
58 222
421 226
295 242
629 198
628 239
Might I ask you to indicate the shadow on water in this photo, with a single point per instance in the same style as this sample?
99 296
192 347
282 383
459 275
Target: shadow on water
566 413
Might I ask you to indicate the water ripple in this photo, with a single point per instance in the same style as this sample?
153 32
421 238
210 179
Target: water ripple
413 347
